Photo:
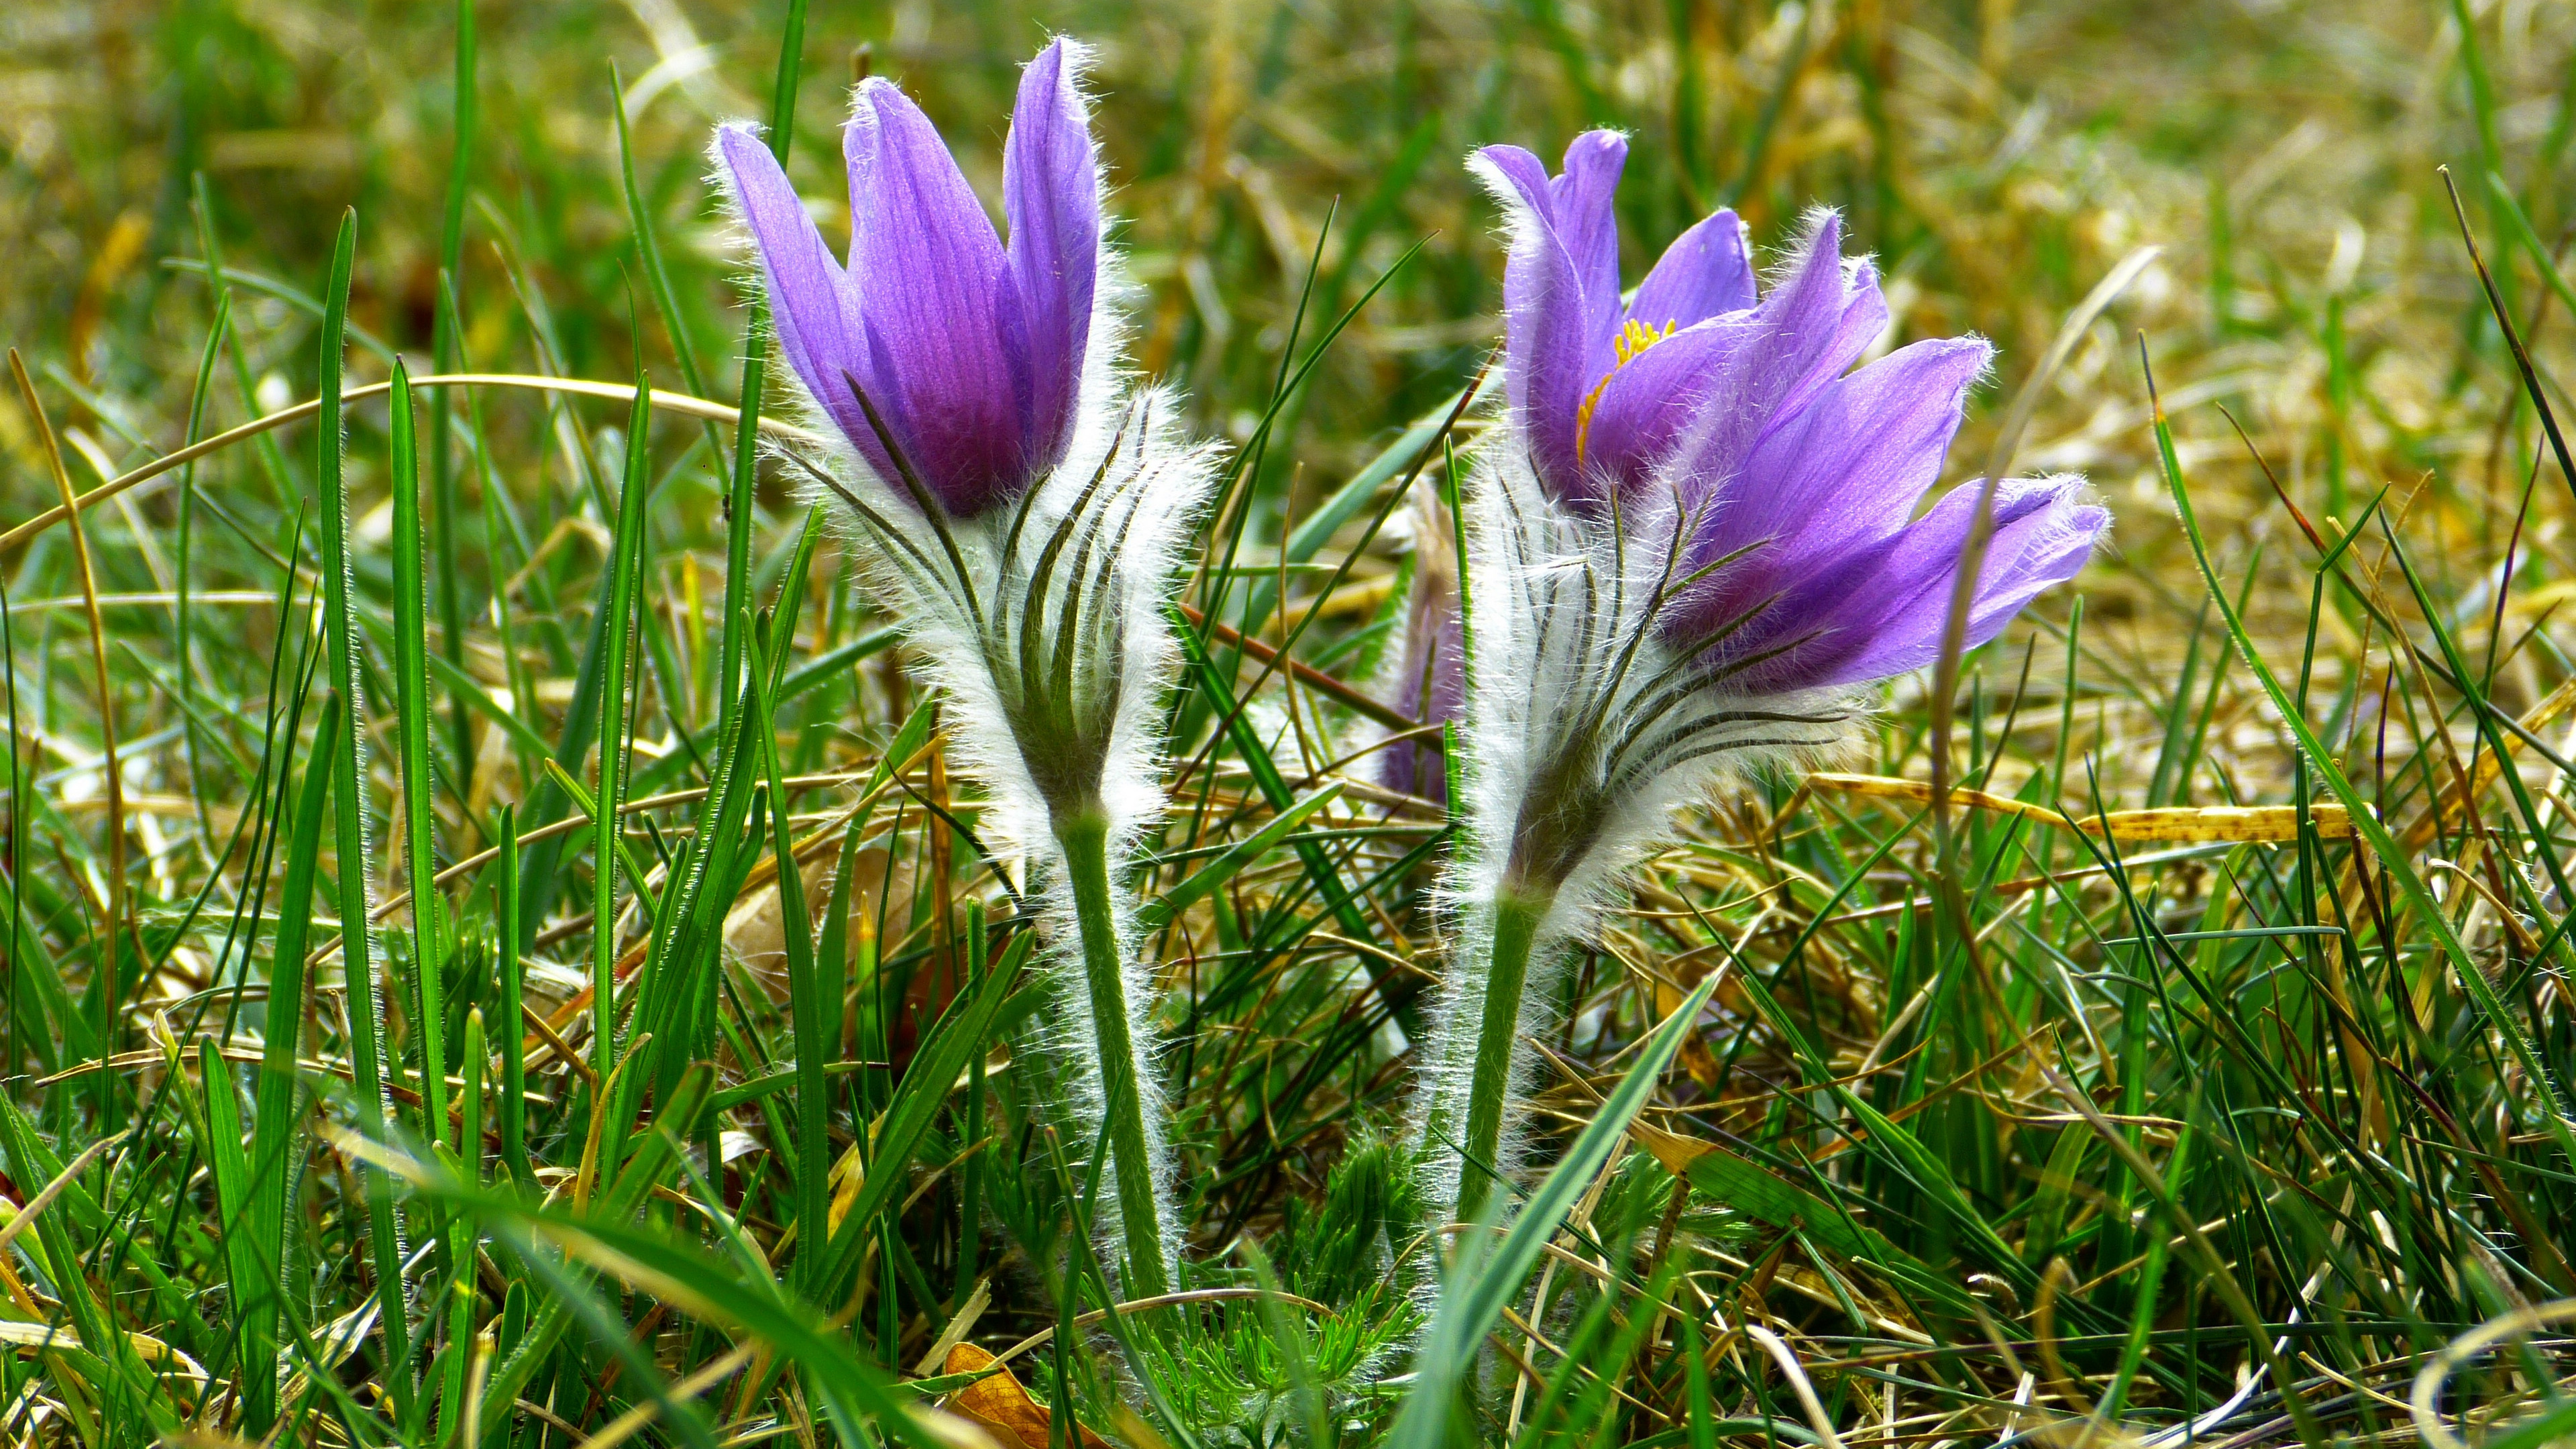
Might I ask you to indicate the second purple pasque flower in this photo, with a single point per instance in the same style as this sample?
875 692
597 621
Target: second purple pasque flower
1694 541
1745 415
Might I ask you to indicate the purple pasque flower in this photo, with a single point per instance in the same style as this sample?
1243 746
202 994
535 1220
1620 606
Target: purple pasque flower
1024 504
1595 407
1792 477
1693 541
971 352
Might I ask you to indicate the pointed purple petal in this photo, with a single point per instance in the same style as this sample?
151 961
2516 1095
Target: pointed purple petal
1811 328
808 297
1706 272
2042 537
1848 468
1588 220
1831 483
1864 317
1545 332
1051 195
1820 322
929 272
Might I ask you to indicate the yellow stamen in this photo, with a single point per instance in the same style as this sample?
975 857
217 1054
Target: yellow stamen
1631 343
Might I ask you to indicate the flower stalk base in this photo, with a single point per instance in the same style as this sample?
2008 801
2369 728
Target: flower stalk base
1084 841
1517 917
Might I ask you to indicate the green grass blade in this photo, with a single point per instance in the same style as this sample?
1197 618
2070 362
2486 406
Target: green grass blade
2391 856
367 995
199 398
237 1224
276 1105
513 1029
265 447
1483 1280
411 730
796 924
1316 529
965 1033
619 605
648 248
741 521
684 1273
1153 915
445 329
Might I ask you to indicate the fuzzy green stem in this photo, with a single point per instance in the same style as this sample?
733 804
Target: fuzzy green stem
1084 839
1518 912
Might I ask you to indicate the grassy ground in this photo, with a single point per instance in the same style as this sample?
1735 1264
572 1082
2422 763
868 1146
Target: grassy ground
2228 1120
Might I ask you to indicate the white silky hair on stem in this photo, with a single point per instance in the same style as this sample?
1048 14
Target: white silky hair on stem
1584 729
1043 621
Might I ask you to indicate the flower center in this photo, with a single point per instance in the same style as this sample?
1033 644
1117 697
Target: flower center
1631 343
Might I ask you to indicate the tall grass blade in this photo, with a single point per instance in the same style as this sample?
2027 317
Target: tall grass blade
2392 858
740 521
278 1098
419 786
445 347
366 990
618 605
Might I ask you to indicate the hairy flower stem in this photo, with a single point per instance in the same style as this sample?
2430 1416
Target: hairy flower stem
1518 911
1084 840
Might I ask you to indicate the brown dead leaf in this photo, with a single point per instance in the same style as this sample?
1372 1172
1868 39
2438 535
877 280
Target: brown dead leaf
999 1405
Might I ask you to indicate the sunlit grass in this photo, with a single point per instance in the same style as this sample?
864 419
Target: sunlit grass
2001 1128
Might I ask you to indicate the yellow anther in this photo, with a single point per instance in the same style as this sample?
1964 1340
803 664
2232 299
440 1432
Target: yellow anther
1633 339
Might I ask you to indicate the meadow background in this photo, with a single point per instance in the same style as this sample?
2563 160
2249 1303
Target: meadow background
2233 1129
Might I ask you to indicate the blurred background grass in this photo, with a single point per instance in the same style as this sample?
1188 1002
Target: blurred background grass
1999 158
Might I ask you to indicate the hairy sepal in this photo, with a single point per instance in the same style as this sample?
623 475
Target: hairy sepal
1043 623
1585 729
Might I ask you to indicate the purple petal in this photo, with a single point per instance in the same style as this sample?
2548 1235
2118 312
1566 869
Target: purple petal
809 299
1650 403
1820 322
1432 686
1051 195
1812 328
1827 485
2042 537
1873 440
1546 341
929 272
1864 317
1588 220
1847 469
1706 272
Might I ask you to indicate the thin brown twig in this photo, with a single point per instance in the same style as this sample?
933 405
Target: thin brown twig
119 915
579 387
